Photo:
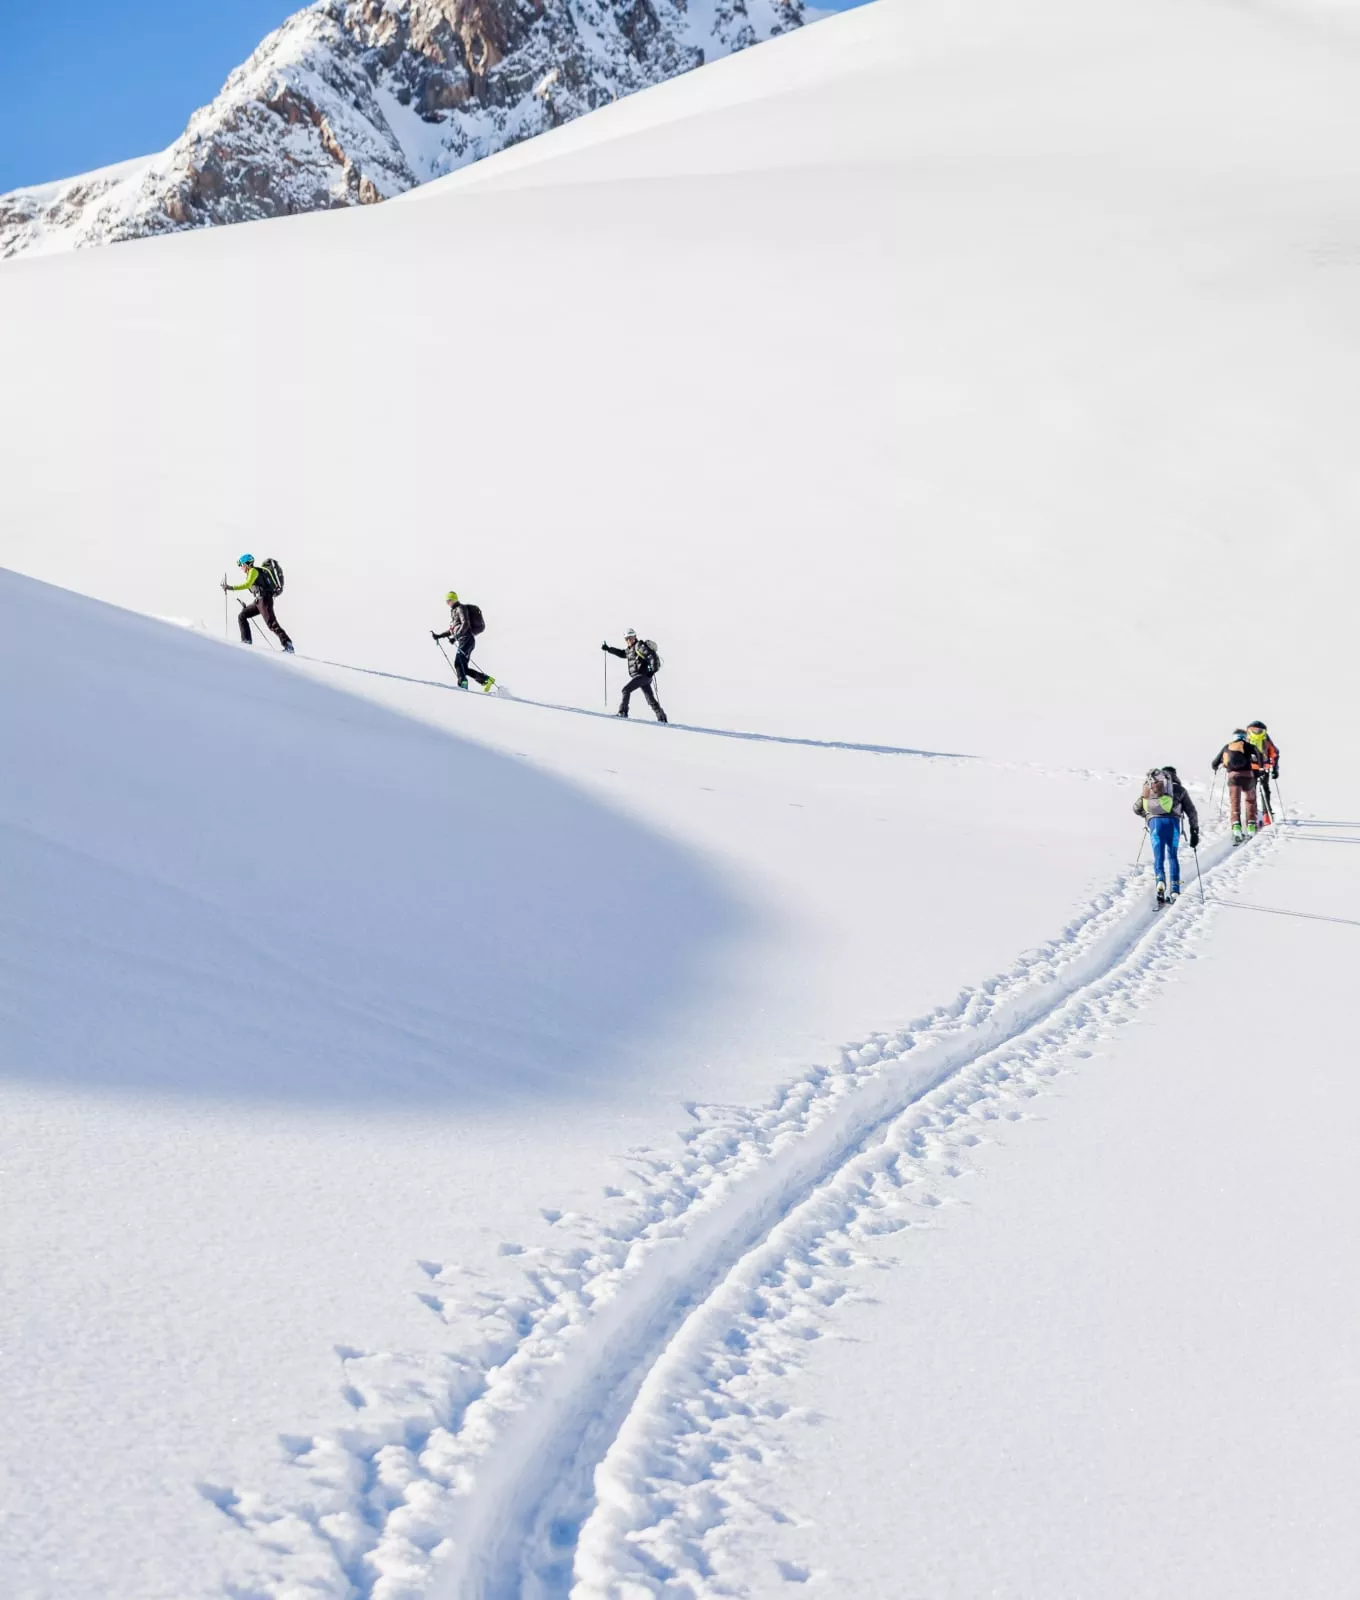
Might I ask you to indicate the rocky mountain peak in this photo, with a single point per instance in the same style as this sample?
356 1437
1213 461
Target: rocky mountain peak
353 101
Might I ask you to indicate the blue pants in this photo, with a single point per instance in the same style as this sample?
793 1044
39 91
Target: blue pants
1166 843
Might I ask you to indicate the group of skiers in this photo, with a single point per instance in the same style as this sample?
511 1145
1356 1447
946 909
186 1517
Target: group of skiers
466 622
1250 760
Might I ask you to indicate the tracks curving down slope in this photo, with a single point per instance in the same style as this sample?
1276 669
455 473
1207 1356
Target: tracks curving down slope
575 1443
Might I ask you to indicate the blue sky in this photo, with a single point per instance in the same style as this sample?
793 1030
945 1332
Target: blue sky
84 83
87 82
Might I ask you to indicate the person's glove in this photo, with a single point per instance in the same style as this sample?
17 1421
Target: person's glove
434 636
1275 773
1194 838
605 645
225 586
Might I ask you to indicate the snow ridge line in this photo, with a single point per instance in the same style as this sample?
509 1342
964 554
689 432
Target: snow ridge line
679 727
660 1490
454 1463
1093 774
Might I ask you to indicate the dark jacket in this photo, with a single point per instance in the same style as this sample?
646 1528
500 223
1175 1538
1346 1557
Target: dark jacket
460 628
1235 756
641 659
1182 805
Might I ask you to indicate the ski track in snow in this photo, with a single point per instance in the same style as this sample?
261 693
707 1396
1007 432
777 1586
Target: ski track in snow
1093 774
585 1435
645 721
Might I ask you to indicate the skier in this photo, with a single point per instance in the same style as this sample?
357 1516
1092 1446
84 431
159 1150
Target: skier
643 666
264 583
1162 804
1238 760
1267 766
465 623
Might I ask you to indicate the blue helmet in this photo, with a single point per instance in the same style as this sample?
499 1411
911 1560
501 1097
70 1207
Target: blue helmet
246 561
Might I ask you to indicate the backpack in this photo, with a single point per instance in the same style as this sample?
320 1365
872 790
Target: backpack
650 646
1159 793
274 572
476 621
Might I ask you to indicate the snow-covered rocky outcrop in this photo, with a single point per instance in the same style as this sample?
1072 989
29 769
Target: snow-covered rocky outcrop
353 101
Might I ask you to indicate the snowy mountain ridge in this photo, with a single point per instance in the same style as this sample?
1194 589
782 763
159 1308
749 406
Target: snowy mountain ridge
350 102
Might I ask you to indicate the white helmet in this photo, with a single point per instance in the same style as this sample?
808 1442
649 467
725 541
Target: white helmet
630 633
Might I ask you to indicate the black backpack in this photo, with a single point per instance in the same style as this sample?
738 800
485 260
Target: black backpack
476 621
274 572
651 657
1237 755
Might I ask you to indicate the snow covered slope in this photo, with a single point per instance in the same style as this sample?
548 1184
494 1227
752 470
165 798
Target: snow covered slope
323 1022
353 101
453 1117
919 381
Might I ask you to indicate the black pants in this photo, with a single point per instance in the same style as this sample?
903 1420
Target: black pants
643 681
462 662
1265 796
263 608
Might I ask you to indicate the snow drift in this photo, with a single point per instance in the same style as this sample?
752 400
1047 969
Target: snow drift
226 880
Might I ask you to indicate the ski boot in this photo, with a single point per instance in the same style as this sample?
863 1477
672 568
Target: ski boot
462 683
1251 830
622 714
1161 892
488 686
288 648
1237 834
1172 898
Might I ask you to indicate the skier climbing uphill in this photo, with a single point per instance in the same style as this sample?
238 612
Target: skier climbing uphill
264 582
465 623
1238 760
1162 804
643 665
1267 765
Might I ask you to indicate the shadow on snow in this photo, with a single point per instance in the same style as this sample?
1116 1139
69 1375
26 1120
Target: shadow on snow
221 878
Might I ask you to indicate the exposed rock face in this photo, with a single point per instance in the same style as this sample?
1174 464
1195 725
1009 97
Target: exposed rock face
353 101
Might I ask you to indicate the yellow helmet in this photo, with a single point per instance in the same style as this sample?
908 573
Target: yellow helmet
452 597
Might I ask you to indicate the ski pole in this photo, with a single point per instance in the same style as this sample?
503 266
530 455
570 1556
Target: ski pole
226 610
605 658
1139 856
439 645
1198 877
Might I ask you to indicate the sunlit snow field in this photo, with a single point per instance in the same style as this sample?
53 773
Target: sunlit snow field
458 1145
